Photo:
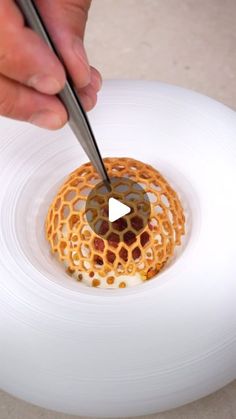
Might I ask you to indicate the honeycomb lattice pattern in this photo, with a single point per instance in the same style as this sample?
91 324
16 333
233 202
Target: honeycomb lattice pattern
121 254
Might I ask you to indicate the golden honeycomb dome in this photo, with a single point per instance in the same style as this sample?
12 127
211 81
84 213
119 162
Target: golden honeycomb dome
118 254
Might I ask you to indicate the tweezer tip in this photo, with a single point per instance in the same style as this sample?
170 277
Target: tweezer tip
107 184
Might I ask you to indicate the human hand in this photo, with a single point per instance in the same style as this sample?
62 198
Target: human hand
31 74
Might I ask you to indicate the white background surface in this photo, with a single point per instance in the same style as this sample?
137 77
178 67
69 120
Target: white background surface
184 42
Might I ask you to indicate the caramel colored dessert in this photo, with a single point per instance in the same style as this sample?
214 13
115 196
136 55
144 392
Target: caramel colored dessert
123 253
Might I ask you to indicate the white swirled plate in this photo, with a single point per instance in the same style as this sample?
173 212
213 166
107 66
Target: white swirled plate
139 350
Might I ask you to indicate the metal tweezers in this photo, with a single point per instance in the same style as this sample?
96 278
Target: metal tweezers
78 119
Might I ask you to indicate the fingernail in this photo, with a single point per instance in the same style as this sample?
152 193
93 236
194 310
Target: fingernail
87 102
45 84
96 81
46 119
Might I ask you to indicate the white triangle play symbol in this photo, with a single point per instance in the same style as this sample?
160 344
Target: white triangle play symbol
116 209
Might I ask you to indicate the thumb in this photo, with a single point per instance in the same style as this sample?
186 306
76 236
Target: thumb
66 21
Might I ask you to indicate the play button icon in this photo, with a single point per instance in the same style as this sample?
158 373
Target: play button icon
119 213
117 209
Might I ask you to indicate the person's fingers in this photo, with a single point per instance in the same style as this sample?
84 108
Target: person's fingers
22 86
11 14
88 94
24 57
66 23
96 79
88 97
23 103
75 59
33 64
69 14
